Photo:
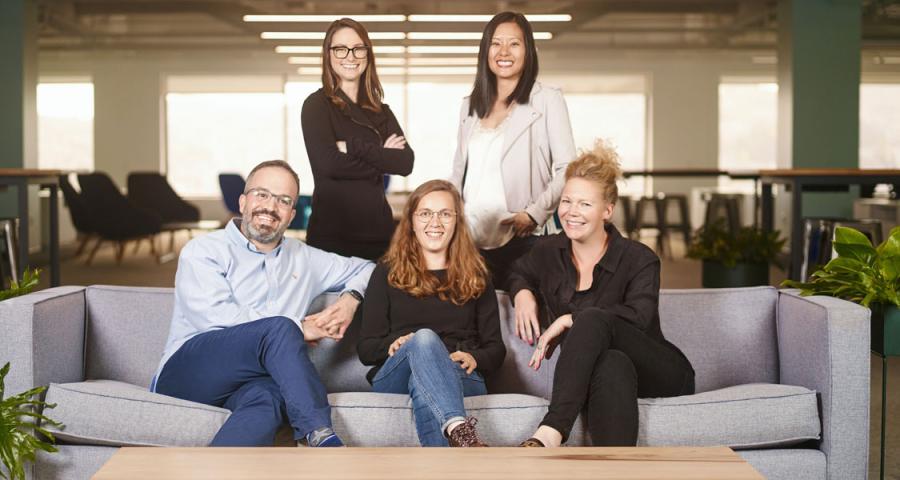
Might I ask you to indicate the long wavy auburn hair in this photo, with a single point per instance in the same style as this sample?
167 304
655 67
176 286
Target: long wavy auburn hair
466 271
370 91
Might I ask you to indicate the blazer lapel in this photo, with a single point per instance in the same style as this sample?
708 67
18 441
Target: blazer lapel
521 118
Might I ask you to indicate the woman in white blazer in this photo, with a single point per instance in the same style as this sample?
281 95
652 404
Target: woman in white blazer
514 143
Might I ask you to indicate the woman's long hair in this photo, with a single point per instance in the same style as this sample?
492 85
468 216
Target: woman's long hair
466 272
370 92
484 93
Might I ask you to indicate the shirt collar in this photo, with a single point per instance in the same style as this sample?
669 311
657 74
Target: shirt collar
614 250
233 230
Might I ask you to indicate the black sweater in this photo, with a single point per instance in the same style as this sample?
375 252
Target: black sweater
390 313
348 202
625 281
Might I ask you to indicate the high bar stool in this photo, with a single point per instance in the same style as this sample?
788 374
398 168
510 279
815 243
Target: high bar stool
727 203
9 231
641 222
683 225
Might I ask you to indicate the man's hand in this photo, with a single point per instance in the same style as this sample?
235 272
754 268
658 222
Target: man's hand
335 319
341 146
399 343
465 360
312 334
522 224
547 341
527 327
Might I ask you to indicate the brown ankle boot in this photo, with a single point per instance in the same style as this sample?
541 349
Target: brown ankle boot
464 435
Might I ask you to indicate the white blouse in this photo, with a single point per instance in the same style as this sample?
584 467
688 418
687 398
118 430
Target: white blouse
483 191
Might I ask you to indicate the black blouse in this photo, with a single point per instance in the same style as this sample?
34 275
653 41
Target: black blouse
390 313
348 202
625 281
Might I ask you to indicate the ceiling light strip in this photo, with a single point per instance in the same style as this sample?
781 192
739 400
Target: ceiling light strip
487 18
323 18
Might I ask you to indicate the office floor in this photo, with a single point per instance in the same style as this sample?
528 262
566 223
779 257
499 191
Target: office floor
678 272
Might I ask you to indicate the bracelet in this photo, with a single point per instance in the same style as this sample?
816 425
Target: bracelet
353 293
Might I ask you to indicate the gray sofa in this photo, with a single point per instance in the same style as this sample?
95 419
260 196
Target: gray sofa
781 378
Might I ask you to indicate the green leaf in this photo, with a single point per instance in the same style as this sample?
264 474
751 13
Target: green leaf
850 236
19 417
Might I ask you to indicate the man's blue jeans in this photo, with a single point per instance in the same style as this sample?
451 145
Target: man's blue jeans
423 369
260 371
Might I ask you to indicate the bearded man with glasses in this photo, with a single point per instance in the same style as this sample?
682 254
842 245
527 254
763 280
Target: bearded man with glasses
239 327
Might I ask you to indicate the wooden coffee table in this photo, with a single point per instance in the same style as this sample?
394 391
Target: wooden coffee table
719 463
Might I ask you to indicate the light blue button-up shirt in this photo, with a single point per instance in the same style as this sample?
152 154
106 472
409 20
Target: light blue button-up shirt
223 280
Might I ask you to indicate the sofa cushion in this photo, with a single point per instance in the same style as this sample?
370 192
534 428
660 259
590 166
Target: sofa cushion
386 420
745 416
106 412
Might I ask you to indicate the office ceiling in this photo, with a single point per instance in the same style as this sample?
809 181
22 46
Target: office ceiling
596 25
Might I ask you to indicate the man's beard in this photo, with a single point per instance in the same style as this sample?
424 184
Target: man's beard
265 234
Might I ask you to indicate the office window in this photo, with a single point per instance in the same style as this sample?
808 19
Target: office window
748 118
65 124
879 116
221 124
433 127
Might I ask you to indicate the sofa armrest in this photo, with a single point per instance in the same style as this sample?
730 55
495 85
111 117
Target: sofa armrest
823 344
43 338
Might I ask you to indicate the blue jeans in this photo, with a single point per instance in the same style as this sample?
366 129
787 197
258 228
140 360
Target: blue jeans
260 371
422 368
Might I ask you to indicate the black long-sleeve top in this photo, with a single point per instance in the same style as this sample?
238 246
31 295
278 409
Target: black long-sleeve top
348 203
625 281
390 313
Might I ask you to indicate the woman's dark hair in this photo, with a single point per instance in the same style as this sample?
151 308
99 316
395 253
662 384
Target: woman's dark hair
370 91
484 93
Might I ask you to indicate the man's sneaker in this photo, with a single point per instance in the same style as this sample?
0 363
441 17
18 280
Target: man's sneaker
322 437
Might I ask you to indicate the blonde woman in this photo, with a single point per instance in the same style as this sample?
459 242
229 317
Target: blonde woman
602 291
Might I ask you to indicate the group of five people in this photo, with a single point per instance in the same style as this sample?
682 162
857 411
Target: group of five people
430 324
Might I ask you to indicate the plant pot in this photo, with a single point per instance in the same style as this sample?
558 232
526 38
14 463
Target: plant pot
717 275
885 329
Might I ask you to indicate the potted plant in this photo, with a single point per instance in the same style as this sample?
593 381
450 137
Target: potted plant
18 429
865 275
29 280
739 259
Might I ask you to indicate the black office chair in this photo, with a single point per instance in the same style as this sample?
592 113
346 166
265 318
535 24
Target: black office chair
79 212
232 185
114 217
151 191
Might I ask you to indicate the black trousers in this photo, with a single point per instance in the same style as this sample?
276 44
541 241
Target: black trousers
367 250
606 363
500 260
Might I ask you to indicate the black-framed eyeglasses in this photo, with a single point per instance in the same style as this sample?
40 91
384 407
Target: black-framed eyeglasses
443 216
358 52
263 195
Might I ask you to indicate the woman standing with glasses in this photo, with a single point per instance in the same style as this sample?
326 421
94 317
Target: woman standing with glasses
514 143
431 324
353 140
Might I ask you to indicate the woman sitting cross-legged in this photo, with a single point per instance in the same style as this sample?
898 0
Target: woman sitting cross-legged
430 322
602 290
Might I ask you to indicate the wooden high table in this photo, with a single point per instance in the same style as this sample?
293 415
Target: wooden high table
274 463
20 178
799 178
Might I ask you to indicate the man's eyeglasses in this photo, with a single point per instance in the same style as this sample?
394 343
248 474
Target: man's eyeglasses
443 216
358 52
263 195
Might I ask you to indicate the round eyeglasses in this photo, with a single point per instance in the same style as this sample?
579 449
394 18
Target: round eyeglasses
263 195
358 52
443 216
